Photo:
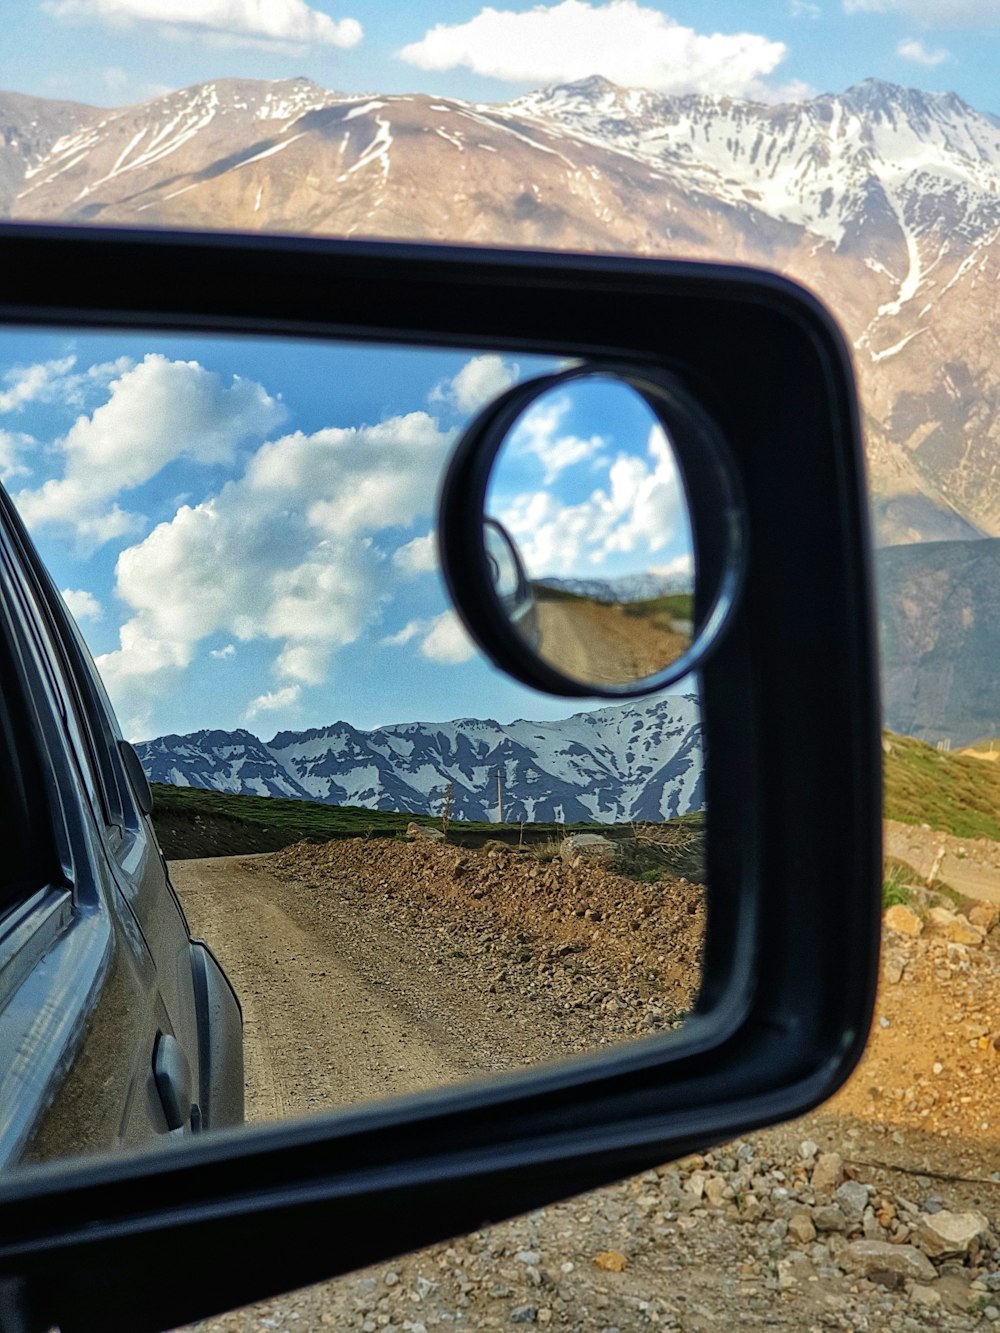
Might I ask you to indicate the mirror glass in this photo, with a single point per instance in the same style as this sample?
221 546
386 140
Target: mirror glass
413 870
588 535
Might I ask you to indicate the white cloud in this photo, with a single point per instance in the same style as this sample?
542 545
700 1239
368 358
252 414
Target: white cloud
222 654
799 9
478 382
157 411
418 556
537 433
407 634
442 639
26 384
227 22
12 446
446 641
911 48
273 701
622 40
641 509
82 605
285 553
934 13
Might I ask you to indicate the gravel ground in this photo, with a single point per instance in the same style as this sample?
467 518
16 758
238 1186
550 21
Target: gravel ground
880 1212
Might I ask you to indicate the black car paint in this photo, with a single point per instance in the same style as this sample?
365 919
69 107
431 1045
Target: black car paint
97 964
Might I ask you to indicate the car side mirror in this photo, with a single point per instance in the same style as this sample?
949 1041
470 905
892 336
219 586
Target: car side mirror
752 386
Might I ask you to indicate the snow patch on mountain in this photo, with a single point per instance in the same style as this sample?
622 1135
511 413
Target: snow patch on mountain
639 761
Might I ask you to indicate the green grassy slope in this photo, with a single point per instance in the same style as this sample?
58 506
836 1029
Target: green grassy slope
191 821
953 793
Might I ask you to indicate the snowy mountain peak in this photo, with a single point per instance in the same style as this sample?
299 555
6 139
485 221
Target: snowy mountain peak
639 761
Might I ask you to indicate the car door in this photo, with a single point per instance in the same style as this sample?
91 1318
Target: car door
96 964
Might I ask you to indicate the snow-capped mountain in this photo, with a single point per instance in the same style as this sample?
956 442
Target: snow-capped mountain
637 761
886 200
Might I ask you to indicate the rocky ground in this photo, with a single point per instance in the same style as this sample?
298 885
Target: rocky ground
881 1211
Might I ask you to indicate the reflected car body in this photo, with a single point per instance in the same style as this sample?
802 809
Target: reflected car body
510 581
117 1028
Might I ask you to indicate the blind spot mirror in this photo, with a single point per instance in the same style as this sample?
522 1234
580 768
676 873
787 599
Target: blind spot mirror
590 532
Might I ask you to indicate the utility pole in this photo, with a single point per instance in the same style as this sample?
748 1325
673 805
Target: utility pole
446 803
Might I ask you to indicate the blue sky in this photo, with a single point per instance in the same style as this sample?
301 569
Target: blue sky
111 52
243 528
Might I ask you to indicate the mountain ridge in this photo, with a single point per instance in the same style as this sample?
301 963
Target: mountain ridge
884 199
639 761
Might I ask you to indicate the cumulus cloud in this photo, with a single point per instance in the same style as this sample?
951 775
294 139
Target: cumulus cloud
626 42
223 654
934 13
12 446
442 639
83 605
227 22
539 433
26 384
477 383
911 48
273 701
418 556
285 552
640 509
157 411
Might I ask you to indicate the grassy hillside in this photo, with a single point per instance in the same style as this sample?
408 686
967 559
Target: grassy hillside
953 793
193 822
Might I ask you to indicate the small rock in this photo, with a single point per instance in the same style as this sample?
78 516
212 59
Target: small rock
612 1261
953 927
421 834
588 847
829 1217
527 1256
902 920
695 1184
801 1229
715 1188
984 915
853 1199
808 1149
925 1296
946 1235
524 1314
888 1265
893 968
828 1171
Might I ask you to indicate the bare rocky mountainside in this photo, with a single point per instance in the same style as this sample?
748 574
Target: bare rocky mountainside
884 199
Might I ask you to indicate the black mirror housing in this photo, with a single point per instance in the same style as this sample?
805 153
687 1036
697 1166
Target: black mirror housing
794 864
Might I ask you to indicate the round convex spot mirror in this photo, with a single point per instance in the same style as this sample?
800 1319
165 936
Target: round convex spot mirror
609 532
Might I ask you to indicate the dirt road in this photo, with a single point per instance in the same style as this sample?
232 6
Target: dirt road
592 642
341 1004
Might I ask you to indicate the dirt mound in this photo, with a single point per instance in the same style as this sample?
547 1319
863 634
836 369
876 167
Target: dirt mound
640 942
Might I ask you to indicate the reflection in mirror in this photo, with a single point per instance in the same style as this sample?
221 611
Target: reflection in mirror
587 498
405 881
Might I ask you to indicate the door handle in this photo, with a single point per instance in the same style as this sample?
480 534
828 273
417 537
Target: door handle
172 1075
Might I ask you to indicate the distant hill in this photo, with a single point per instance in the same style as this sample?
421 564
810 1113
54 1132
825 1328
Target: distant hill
939 619
951 793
